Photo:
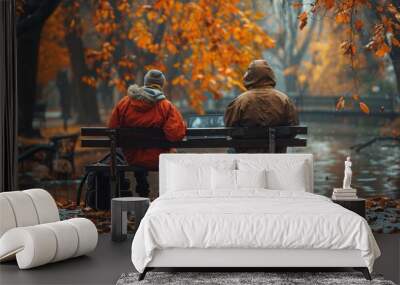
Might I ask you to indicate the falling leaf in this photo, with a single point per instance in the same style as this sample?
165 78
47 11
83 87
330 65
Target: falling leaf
297 5
314 8
358 24
340 104
364 108
329 4
395 42
303 18
343 18
348 48
383 50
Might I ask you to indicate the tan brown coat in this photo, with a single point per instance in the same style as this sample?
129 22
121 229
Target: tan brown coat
262 105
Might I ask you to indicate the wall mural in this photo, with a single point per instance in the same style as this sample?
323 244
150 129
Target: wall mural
342 74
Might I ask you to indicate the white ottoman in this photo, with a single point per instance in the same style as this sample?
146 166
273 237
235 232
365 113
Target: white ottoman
31 232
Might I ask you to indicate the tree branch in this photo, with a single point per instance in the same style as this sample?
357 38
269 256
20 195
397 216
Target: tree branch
37 13
301 51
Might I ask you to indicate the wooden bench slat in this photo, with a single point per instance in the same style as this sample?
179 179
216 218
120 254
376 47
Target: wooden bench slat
156 132
194 143
95 143
103 131
247 131
94 131
106 167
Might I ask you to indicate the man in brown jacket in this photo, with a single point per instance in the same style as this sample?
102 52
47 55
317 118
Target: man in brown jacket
261 105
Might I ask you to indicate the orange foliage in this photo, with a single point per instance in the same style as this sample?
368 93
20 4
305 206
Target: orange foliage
104 17
345 13
203 46
53 55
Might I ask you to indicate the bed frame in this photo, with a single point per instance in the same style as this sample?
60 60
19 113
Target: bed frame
246 259
250 259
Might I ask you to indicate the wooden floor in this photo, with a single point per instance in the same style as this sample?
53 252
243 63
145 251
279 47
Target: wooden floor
110 259
103 266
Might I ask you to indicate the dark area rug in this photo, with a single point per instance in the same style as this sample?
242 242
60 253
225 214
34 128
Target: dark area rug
275 278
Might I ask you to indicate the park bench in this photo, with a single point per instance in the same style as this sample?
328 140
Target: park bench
224 137
58 147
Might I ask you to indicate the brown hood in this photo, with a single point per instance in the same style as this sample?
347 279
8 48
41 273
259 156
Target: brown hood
259 74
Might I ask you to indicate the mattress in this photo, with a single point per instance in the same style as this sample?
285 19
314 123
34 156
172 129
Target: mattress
250 219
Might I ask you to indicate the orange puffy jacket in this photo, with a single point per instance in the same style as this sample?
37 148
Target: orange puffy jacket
147 107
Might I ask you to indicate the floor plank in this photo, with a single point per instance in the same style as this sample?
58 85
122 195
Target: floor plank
103 266
110 260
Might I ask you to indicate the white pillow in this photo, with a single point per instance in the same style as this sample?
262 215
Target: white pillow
294 179
227 179
251 178
282 174
193 174
224 179
188 177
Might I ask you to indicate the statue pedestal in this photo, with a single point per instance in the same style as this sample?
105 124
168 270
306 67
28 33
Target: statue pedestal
344 190
344 194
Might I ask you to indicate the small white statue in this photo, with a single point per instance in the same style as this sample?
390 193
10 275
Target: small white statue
347 174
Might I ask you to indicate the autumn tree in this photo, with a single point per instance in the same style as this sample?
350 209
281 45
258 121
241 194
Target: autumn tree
203 46
291 43
383 35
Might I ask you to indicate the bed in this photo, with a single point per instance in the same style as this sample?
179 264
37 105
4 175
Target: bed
246 211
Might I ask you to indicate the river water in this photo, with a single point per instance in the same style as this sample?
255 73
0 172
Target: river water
376 168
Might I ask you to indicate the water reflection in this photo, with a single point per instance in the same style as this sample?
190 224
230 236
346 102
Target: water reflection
376 169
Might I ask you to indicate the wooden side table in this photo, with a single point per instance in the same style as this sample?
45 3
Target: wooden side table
355 205
119 214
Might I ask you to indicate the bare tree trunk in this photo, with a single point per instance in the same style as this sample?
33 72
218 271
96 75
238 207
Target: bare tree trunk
395 56
27 60
287 38
29 28
291 83
64 90
85 95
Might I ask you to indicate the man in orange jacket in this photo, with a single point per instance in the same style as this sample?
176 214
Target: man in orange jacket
147 106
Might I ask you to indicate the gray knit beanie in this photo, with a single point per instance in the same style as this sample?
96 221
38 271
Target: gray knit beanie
154 77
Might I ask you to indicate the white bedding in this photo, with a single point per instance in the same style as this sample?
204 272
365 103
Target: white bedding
252 218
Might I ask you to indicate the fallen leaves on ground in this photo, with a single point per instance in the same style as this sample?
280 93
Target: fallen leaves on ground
101 219
383 214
